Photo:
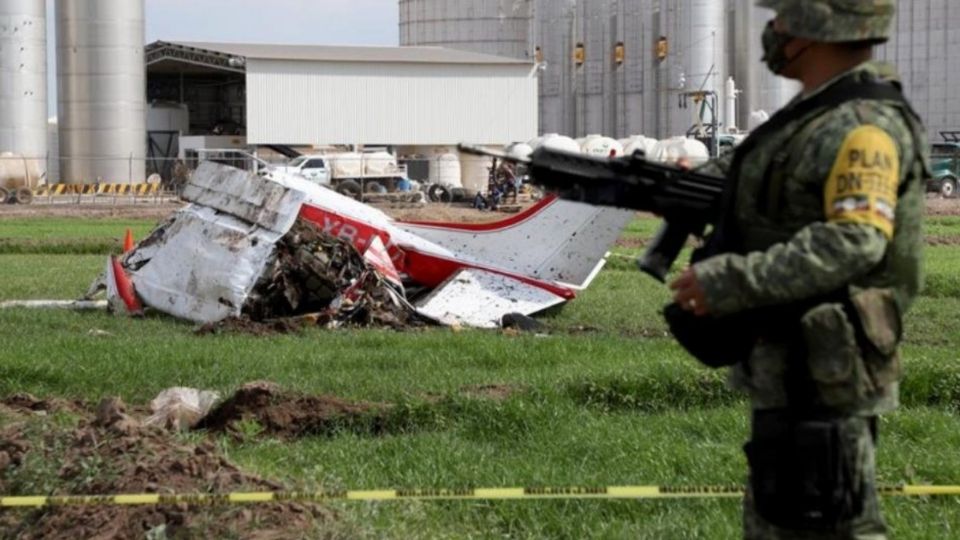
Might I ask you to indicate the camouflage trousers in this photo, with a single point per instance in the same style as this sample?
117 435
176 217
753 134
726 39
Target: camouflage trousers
861 439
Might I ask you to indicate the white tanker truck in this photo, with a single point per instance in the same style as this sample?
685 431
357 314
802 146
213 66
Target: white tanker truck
17 176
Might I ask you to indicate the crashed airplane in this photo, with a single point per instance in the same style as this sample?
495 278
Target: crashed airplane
209 261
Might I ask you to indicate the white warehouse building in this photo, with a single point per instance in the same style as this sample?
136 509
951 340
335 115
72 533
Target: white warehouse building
297 95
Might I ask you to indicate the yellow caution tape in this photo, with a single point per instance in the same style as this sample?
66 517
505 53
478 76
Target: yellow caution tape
567 492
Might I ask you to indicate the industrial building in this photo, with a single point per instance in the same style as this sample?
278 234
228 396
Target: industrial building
483 71
622 67
418 100
119 122
316 95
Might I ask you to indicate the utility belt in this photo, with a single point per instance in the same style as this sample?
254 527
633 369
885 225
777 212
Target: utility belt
844 344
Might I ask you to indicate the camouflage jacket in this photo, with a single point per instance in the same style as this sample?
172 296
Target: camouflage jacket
833 201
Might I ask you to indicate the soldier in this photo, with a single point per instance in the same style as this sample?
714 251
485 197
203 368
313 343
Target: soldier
825 206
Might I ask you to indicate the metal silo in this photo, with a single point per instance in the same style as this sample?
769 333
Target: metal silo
760 89
555 21
101 81
499 27
696 35
23 80
922 48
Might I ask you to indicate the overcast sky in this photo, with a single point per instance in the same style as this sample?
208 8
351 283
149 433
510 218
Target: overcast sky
325 22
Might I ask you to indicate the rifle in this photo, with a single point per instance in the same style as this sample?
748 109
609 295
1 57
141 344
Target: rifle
687 200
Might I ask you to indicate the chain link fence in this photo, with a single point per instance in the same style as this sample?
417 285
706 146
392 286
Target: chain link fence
369 177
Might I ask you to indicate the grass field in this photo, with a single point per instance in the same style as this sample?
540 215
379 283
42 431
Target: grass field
605 399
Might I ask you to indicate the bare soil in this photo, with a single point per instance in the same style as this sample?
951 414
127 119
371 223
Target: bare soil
937 206
90 211
107 450
111 454
288 415
942 240
453 213
449 213
492 392
250 327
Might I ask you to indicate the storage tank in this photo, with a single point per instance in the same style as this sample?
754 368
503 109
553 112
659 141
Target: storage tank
556 142
519 150
600 146
53 150
554 36
380 164
474 172
696 33
672 149
23 80
635 143
499 27
761 89
101 81
922 49
446 170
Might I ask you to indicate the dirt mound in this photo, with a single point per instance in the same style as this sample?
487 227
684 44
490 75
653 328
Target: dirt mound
267 409
112 454
27 403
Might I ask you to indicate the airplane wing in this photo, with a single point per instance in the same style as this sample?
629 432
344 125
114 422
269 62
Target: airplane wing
554 241
480 299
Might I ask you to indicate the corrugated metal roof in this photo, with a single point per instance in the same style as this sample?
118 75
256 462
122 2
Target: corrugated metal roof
327 53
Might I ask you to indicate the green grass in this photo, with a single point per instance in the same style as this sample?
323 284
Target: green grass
73 228
68 235
604 399
942 225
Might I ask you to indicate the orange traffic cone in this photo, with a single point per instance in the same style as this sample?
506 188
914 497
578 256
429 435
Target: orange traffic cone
128 242
124 288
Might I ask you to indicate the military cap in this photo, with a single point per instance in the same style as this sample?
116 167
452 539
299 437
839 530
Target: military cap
835 21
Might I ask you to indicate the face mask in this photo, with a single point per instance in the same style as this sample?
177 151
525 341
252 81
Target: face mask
775 49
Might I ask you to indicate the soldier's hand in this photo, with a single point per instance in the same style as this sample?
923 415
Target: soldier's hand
688 293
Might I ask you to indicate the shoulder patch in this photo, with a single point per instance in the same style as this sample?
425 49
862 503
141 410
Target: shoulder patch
862 186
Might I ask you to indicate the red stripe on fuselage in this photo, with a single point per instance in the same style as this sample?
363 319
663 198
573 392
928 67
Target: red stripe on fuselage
427 269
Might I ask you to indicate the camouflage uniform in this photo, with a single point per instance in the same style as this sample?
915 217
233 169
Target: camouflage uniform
812 223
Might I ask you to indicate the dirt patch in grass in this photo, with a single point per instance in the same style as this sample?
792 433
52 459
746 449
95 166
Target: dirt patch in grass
449 213
632 242
90 210
263 408
492 392
251 327
455 213
937 206
27 403
942 240
113 454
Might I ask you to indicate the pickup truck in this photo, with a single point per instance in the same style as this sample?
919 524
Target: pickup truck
313 168
350 173
945 165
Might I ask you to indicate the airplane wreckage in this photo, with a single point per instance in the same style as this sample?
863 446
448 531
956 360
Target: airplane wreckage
275 247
